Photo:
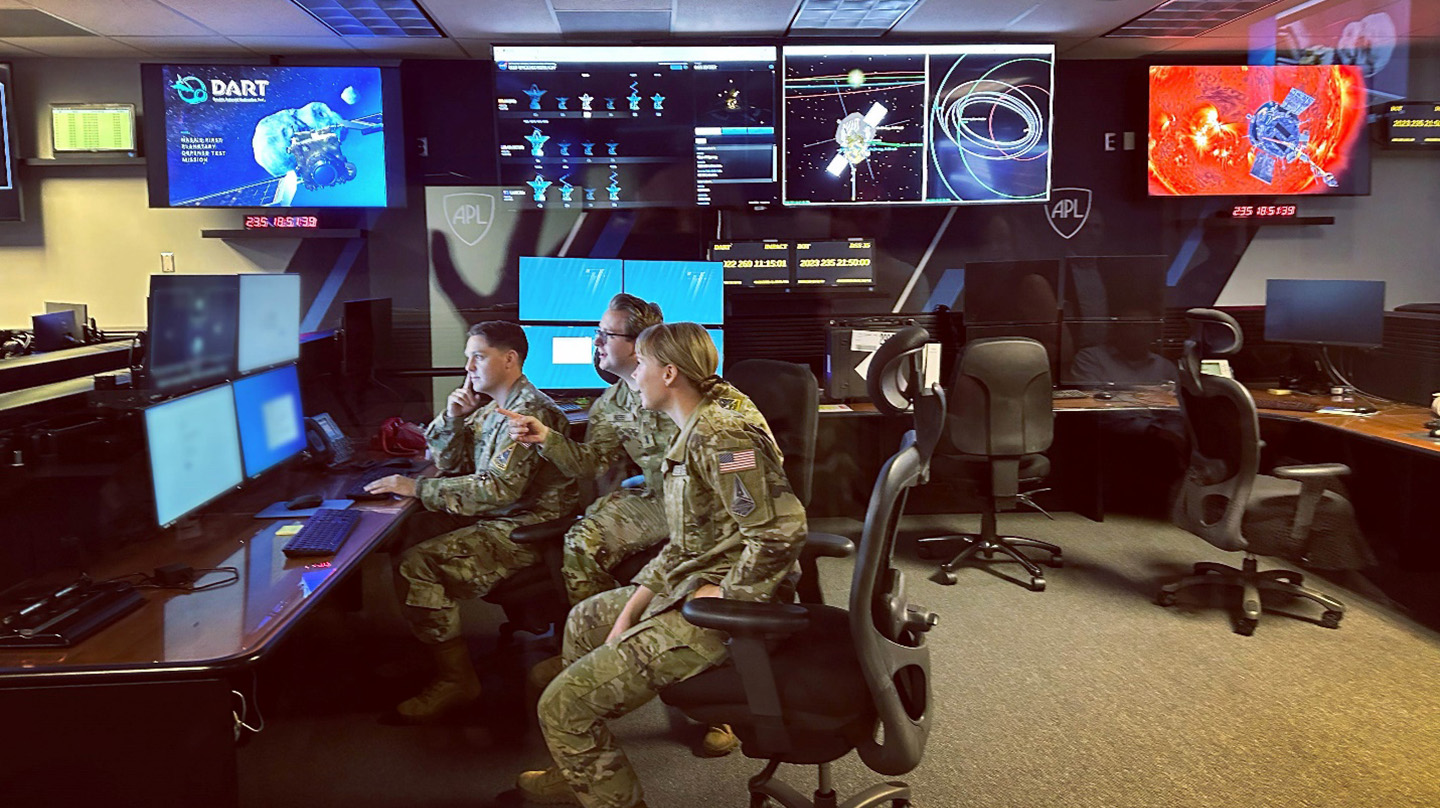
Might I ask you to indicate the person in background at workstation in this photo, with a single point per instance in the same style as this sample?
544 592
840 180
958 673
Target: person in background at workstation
485 474
1124 358
736 530
627 520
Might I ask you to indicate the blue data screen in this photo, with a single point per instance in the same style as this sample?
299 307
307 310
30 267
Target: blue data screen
567 289
692 291
272 423
562 357
194 451
269 321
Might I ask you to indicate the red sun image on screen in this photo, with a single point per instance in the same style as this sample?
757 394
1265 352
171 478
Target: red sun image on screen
1200 128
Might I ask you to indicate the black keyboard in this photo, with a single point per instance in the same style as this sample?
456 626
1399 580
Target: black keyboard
568 407
1059 394
356 489
67 620
323 533
1295 405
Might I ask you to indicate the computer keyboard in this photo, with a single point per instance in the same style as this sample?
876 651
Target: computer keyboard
323 533
69 617
1058 394
568 407
356 488
1295 405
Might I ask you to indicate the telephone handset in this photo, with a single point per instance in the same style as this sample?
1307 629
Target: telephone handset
327 443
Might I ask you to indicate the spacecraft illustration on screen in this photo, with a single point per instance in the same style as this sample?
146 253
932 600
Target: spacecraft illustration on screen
1277 134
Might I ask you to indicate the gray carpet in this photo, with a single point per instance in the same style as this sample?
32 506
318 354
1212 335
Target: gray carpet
1087 694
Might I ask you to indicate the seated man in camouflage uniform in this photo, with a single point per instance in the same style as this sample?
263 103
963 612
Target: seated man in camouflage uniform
628 520
487 475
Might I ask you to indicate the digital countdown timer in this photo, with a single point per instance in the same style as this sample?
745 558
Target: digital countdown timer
282 222
1262 212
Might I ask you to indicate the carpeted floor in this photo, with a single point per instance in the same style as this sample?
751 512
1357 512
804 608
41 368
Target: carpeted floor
1087 695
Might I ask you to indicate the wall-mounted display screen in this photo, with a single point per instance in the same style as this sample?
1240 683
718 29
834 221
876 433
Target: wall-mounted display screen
1413 126
92 128
692 291
607 127
1231 130
765 264
225 136
9 151
567 289
835 263
946 124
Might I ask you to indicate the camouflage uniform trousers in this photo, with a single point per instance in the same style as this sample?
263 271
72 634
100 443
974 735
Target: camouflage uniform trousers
607 680
615 526
434 575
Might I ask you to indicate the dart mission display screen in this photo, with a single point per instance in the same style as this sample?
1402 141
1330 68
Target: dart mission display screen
254 136
917 124
1239 130
600 127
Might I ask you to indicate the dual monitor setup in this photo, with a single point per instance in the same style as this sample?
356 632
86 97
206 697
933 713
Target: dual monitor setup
562 298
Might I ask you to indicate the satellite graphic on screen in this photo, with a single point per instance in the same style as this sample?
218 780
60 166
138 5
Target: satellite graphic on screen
275 136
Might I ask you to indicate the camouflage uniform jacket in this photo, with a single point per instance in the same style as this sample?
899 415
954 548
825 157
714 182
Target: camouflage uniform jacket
733 519
485 473
618 427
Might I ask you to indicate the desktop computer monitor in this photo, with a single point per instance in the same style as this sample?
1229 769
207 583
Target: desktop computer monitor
82 316
367 326
1115 287
567 289
1011 292
1325 312
194 450
55 330
272 423
692 291
561 357
269 325
192 325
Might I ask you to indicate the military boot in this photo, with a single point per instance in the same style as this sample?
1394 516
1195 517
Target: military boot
719 741
541 675
546 787
455 684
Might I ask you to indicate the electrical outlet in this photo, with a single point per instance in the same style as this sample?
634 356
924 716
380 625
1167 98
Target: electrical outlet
167 262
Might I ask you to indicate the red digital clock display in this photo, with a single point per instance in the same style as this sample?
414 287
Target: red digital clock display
284 222
1262 211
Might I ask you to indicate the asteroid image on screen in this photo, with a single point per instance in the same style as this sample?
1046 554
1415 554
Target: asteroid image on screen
917 124
1257 130
241 136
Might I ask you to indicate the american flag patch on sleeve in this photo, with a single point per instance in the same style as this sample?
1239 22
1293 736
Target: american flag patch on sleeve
737 461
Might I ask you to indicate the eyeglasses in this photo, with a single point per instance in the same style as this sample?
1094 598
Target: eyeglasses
605 336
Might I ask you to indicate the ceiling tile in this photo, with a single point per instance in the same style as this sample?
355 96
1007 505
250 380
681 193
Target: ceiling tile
171 47
80 46
294 45
9 49
485 19
761 17
250 18
123 17
408 46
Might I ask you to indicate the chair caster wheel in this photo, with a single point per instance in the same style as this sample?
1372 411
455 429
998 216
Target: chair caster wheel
899 804
1245 626
1165 598
1056 561
947 578
1331 619
1037 584
760 801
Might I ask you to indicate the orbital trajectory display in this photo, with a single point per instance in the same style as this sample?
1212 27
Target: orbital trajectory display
917 124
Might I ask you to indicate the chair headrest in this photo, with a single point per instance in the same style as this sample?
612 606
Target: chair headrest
894 378
1214 333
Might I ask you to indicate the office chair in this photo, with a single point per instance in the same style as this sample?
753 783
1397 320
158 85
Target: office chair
1220 485
999 423
807 683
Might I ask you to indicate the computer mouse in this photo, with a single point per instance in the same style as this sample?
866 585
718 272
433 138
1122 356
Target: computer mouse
305 501
1104 396
1364 410
1435 433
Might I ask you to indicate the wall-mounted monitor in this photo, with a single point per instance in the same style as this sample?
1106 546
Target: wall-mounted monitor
191 330
627 127
764 264
92 128
849 263
238 136
1325 312
9 150
1413 126
269 325
194 450
567 289
692 291
271 420
917 124
1237 130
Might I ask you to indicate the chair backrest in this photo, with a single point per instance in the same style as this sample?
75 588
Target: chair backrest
999 398
889 634
1224 435
789 398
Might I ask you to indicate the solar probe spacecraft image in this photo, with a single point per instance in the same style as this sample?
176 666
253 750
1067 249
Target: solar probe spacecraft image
1278 134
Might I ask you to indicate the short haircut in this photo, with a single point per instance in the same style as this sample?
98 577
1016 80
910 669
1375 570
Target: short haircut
502 335
639 314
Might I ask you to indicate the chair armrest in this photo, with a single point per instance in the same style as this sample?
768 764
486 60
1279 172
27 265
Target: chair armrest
543 532
827 545
1311 471
745 617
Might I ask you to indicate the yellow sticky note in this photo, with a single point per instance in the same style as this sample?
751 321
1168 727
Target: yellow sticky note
288 530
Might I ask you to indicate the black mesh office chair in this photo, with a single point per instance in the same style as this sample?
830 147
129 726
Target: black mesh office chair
1220 485
807 683
1000 421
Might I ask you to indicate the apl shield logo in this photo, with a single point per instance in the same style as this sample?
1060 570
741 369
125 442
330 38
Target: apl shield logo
469 215
190 89
1068 210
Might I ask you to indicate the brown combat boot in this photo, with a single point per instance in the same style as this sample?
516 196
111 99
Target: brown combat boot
455 685
546 787
719 741
542 674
